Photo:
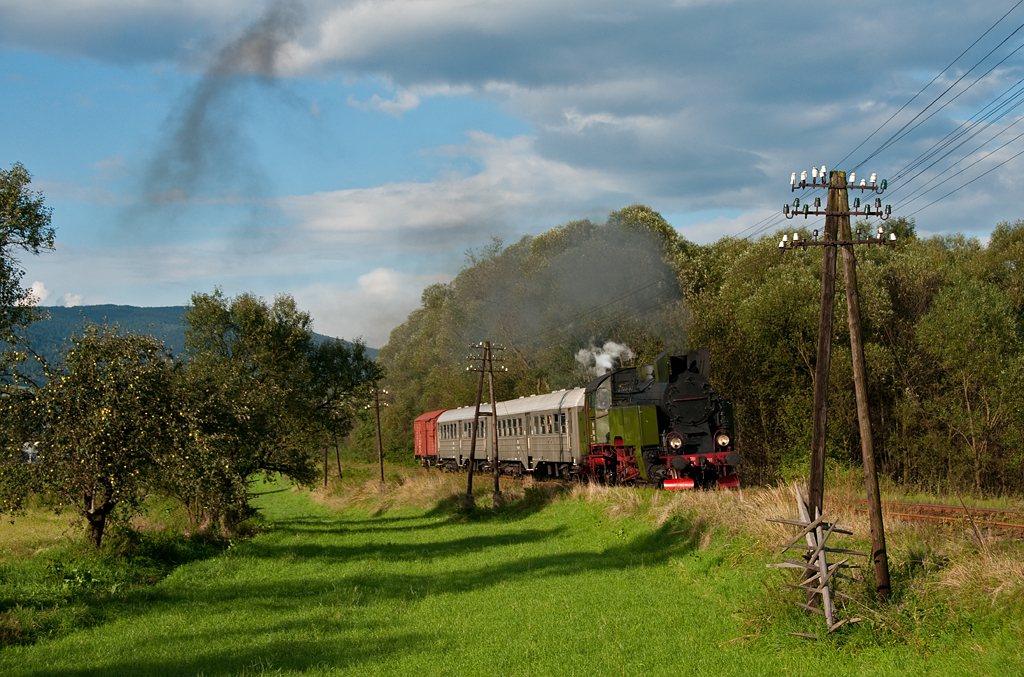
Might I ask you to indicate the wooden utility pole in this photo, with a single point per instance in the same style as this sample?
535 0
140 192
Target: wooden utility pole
497 500
837 202
837 222
377 404
468 501
867 447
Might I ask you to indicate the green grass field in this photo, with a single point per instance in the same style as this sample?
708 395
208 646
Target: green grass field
542 588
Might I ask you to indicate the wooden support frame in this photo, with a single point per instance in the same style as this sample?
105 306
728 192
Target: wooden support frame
819 575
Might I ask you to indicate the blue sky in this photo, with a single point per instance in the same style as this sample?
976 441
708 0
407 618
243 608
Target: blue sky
349 153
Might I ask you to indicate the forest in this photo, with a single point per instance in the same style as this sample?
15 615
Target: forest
941 319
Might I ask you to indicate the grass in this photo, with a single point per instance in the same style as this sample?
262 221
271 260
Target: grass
564 581
52 582
33 533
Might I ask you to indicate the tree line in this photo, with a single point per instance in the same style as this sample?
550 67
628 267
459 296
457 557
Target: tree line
942 320
118 418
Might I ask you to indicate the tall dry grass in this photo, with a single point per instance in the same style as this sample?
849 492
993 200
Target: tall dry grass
949 553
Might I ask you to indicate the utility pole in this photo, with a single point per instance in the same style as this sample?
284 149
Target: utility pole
837 202
468 501
377 404
497 500
337 454
837 222
867 444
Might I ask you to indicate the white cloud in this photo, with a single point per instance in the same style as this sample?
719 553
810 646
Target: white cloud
381 300
403 101
515 186
70 300
37 293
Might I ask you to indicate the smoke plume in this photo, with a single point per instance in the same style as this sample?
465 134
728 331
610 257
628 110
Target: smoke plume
601 360
206 150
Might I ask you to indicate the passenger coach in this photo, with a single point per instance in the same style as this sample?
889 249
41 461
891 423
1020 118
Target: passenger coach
537 434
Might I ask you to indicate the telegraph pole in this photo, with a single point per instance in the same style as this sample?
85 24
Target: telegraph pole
468 501
837 221
837 203
377 404
486 360
867 444
497 500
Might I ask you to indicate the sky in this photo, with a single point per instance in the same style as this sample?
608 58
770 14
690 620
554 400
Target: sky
351 153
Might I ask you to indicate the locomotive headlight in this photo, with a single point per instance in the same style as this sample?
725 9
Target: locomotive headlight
675 442
722 439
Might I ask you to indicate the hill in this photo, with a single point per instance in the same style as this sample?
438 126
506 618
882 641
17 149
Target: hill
48 337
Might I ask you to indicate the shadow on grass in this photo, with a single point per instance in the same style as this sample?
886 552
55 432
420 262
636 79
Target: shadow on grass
389 551
313 644
448 510
276 656
535 499
673 539
75 586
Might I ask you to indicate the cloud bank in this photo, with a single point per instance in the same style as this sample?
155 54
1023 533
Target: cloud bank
695 107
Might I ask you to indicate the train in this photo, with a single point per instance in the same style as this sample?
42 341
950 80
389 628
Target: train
659 425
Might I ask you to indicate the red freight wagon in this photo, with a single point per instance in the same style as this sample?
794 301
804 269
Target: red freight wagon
425 436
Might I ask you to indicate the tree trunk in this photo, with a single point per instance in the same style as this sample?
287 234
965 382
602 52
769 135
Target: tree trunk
96 517
97 522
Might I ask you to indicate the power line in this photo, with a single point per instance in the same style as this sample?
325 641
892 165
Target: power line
901 133
982 122
971 181
913 98
920 191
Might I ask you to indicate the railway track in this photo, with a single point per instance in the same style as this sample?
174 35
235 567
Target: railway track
988 518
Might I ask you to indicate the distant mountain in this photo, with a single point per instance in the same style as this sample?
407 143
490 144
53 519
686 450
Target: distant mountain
49 337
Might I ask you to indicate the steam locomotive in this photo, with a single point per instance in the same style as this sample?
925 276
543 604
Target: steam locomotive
658 425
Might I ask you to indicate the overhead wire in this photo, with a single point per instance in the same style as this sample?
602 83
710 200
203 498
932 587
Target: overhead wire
913 98
981 119
921 190
903 131
983 157
989 171
995 110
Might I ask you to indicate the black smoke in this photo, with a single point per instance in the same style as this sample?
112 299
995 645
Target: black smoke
206 154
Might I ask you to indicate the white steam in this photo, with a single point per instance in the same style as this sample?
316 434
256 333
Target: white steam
602 360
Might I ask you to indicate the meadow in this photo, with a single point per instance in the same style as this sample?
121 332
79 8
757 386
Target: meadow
565 580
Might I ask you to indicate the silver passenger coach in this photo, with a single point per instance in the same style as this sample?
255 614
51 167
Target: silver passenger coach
539 433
